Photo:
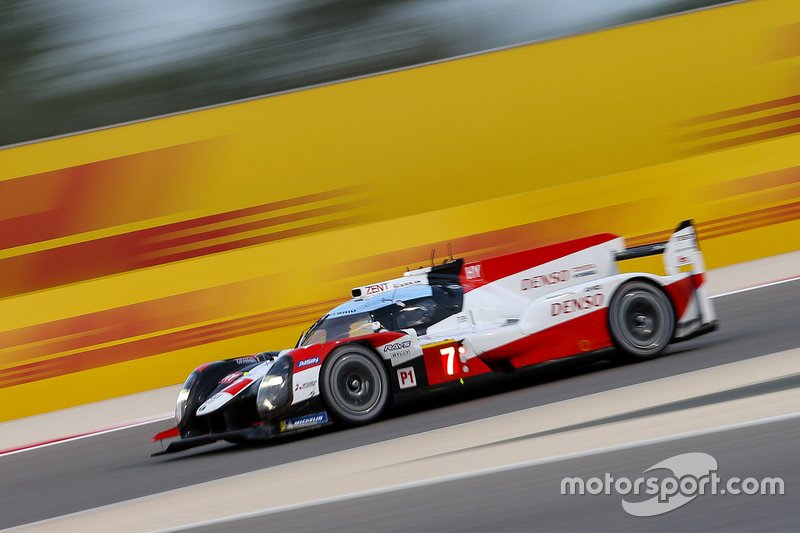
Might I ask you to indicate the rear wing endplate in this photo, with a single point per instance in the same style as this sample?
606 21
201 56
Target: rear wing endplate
680 250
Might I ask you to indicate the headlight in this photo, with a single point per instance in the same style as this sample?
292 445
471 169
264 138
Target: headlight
183 397
275 387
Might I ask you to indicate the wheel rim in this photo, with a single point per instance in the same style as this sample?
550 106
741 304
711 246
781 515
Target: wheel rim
642 318
355 384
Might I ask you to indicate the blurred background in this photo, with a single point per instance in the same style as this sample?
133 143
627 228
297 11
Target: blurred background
130 254
71 65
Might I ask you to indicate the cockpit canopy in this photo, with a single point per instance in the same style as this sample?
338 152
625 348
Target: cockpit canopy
416 307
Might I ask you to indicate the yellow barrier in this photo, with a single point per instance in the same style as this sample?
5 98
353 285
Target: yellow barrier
131 254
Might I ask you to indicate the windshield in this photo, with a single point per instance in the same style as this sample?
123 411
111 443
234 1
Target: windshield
416 307
340 327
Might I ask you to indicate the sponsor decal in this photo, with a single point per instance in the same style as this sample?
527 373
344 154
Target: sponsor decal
543 280
584 270
246 360
344 312
473 271
682 249
398 350
375 289
685 243
575 305
308 362
406 283
305 385
230 378
406 377
306 421
396 346
207 405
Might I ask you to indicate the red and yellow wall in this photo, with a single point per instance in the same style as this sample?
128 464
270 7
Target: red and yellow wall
131 254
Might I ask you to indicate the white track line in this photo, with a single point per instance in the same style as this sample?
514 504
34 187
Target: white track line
483 472
62 440
754 287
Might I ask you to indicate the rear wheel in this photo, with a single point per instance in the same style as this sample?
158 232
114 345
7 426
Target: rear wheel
641 320
355 385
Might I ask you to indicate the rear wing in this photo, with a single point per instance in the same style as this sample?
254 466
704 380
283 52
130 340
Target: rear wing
680 250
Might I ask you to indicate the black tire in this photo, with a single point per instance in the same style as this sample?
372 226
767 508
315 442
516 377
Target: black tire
641 320
354 385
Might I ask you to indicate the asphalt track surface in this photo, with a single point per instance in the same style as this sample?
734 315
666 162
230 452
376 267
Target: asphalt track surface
529 499
113 467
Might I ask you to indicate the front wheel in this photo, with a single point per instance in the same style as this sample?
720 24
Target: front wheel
641 320
355 385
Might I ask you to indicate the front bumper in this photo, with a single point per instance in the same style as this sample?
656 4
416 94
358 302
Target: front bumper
262 432
305 416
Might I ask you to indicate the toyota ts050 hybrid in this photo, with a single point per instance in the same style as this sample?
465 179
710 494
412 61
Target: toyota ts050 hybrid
445 324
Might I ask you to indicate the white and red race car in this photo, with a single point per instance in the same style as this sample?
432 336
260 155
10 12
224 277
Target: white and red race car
446 324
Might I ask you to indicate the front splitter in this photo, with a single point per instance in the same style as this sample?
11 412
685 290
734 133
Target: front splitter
261 432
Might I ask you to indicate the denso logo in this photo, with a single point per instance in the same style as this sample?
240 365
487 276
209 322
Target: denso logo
396 346
577 304
545 279
308 362
375 289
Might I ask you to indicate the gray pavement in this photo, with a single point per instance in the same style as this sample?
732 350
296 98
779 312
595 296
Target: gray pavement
529 499
114 467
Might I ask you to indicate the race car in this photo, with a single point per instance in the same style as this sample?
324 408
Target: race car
448 323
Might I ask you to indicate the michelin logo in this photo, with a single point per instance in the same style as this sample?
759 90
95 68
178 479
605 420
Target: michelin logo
304 421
